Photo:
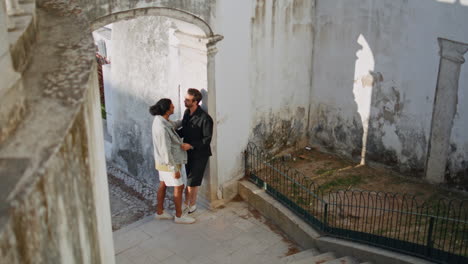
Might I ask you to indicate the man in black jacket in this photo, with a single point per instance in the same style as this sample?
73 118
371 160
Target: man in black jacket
197 130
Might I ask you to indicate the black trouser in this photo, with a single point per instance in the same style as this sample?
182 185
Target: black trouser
195 168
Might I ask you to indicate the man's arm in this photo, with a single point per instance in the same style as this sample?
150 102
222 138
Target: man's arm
177 124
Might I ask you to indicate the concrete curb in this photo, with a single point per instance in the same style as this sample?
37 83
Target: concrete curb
304 235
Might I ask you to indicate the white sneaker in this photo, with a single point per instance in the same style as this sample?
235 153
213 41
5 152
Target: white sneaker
192 208
185 208
184 219
163 216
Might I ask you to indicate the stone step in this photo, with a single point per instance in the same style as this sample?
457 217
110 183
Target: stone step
322 258
343 260
301 255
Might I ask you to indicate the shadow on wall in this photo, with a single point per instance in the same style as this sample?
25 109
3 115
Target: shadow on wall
281 72
367 113
204 102
132 146
339 125
371 121
147 66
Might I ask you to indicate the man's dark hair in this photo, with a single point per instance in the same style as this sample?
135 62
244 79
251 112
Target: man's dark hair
161 107
197 96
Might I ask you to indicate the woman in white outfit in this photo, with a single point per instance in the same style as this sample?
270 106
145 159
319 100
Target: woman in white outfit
170 154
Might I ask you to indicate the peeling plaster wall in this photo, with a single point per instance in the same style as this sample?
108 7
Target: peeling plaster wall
232 86
263 75
457 169
149 63
375 73
281 70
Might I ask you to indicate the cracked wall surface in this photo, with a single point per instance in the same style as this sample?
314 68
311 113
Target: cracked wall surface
281 71
375 74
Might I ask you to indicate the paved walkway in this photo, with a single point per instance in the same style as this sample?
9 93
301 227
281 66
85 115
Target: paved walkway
233 234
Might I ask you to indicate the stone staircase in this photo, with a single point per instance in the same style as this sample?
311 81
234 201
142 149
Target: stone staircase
313 256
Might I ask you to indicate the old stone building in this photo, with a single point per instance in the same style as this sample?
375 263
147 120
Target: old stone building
381 81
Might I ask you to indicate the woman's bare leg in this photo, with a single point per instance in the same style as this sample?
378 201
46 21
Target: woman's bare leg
160 197
178 190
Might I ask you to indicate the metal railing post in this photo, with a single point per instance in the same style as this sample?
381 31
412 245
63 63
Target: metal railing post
325 217
430 242
246 172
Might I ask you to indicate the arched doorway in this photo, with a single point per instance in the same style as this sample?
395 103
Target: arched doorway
210 188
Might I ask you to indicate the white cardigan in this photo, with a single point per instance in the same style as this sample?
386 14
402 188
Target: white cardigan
166 143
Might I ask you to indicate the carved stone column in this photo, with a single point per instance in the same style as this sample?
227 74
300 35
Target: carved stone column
213 192
445 107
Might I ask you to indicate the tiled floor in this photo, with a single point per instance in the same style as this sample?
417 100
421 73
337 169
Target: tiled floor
233 234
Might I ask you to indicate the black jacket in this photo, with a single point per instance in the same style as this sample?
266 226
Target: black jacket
197 130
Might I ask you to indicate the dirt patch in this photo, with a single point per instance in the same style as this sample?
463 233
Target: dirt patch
327 189
332 173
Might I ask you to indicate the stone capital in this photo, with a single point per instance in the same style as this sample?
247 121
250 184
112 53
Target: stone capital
211 44
452 50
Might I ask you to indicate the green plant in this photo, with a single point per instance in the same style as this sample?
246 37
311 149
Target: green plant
103 112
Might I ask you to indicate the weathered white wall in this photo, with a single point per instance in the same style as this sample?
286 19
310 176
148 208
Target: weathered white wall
458 158
263 77
191 63
232 86
375 71
139 76
281 71
345 73
149 63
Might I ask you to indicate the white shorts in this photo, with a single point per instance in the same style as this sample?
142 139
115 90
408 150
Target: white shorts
168 177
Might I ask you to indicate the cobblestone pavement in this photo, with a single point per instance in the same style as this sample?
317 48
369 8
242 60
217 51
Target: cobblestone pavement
126 208
130 199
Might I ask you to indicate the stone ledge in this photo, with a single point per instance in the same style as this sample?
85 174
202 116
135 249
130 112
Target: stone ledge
303 234
53 103
23 37
12 109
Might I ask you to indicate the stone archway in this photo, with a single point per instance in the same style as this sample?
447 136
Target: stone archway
210 190
153 11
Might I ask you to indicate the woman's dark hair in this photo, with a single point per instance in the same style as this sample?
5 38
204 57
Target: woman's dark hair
161 107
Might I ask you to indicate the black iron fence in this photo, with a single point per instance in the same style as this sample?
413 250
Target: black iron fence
434 230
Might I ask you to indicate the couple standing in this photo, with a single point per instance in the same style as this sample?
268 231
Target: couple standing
181 162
